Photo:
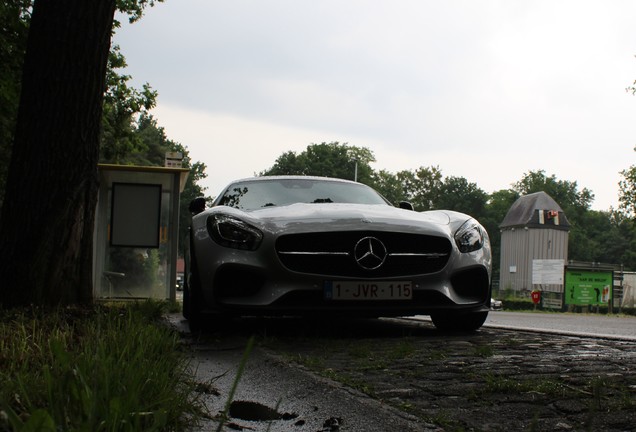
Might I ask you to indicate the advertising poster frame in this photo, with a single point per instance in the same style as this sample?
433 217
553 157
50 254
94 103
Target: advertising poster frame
588 287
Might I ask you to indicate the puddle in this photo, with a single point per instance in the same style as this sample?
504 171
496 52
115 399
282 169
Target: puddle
254 411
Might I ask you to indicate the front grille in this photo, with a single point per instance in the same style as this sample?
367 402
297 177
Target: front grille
333 254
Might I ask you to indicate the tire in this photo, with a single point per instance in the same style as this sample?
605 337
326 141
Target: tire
192 295
187 302
458 322
186 299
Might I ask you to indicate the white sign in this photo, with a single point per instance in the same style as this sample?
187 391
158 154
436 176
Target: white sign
552 303
174 160
547 271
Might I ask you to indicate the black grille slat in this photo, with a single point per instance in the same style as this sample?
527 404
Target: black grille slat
332 253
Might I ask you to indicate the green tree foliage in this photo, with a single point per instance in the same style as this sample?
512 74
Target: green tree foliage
456 193
134 9
627 191
425 186
499 202
421 187
391 186
121 106
627 197
604 236
620 243
326 160
289 163
622 247
14 27
564 192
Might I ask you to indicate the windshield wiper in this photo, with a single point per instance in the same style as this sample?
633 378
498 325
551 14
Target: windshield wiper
322 200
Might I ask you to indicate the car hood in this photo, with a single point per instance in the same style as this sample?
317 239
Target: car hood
337 217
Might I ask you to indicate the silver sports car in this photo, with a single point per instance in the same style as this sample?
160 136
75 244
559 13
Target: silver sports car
299 246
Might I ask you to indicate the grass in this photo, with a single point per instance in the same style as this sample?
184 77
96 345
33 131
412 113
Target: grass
361 352
503 385
363 356
344 378
599 393
483 351
103 368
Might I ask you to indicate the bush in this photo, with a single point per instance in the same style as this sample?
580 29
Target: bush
518 304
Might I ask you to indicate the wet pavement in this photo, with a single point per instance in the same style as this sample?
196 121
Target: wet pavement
404 375
278 396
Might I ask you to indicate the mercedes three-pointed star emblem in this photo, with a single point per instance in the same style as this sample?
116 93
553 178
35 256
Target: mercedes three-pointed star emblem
370 253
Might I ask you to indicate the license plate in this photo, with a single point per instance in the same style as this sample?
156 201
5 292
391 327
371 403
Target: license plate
376 290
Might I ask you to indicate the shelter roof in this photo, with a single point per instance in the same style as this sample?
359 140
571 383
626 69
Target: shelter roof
537 210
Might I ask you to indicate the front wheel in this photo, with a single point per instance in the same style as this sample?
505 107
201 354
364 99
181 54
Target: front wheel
192 295
461 322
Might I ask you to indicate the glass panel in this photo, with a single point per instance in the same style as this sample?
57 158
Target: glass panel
127 272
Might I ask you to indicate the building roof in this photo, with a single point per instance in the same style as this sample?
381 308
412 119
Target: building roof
536 210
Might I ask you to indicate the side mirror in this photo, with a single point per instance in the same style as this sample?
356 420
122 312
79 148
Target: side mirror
406 205
197 205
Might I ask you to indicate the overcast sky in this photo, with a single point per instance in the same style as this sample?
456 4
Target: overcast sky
485 90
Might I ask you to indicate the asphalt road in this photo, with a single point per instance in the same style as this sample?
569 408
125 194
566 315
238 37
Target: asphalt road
604 326
573 324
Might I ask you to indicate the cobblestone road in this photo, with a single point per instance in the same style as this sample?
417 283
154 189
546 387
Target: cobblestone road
493 380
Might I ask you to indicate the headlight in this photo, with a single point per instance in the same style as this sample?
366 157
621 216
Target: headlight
470 237
234 233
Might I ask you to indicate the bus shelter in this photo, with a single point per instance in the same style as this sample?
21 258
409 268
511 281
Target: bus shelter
136 232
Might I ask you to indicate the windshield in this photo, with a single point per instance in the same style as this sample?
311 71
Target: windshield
253 195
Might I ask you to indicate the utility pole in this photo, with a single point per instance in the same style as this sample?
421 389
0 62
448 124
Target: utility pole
355 170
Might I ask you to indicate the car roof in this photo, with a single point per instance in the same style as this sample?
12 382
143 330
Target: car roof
293 177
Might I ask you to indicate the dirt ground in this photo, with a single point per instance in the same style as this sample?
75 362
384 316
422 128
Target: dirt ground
491 380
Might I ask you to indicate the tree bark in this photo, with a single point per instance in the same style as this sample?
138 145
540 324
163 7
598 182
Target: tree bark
46 226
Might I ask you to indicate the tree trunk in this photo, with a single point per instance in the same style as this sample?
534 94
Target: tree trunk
48 213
